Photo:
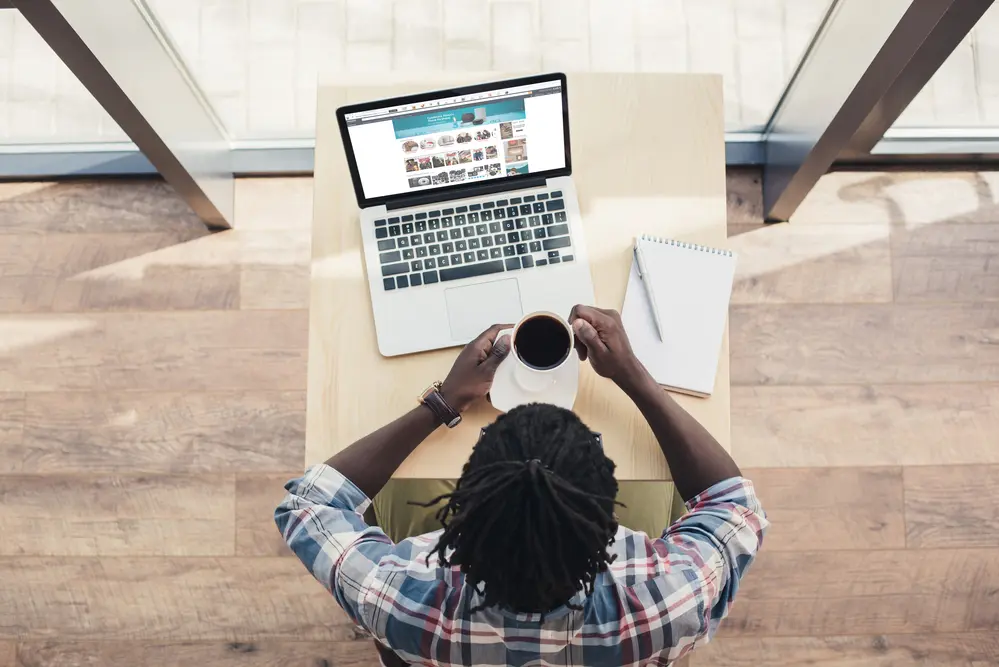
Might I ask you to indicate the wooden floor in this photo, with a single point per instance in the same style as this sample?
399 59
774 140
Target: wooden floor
152 404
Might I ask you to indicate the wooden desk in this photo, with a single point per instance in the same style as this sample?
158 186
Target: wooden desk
648 157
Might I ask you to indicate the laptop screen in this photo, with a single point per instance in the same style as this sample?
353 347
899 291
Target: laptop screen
485 135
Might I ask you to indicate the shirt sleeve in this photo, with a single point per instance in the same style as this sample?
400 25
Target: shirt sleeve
710 548
321 520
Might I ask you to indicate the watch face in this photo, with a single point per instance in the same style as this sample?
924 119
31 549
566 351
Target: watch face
454 422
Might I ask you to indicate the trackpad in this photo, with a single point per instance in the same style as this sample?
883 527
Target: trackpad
473 309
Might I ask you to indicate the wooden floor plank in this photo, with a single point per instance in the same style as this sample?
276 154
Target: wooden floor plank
11 420
831 508
852 344
273 204
256 498
357 652
275 269
744 194
192 432
190 351
952 506
116 515
95 206
161 599
935 650
8 654
871 425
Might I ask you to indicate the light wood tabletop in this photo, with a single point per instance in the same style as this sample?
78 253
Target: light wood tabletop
648 157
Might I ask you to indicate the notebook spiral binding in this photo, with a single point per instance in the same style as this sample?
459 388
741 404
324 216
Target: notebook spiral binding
687 246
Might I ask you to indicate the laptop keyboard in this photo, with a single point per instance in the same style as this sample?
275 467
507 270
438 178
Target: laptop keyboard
495 236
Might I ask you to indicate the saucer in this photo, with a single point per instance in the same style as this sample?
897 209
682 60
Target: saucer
558 388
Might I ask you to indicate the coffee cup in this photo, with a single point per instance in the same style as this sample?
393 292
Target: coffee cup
540 343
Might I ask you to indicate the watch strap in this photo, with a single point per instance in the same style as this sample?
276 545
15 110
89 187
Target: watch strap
445 413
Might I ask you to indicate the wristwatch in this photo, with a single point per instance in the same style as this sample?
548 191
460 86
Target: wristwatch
431 397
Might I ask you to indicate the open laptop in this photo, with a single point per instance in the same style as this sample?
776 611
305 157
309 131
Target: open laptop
468 214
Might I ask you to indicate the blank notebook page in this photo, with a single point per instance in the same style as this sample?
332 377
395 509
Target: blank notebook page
692 285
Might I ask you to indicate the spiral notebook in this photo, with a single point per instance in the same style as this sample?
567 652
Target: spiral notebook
692 285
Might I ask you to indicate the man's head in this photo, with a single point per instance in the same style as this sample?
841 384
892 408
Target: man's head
533 513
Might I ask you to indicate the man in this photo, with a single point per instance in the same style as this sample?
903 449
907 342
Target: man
531 566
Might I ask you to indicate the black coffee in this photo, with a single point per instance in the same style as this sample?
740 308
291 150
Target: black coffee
542 342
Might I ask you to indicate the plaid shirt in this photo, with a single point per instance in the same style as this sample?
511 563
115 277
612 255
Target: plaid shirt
659 599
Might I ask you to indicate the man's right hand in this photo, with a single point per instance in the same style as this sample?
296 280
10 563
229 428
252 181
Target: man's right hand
600 337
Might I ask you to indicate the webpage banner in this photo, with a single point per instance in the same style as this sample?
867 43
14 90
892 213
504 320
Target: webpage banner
463 144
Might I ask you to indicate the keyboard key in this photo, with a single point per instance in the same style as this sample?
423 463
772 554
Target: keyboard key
473 217
421 215
527 261
473 244
455 260
402 281
538 207
395 230
430 263
468 231
380 223
500 239
447 222
416 280
421 252
459 220
488 204
567 258
554 260
557 193
421 225
512 263
461 209
461 245
547 218
435 223
499 213
393 221
535 246
560 216
495 252
381 233
407 218
525 209
435 250
417 265
529 198
435 214
389 284
501 202
552 253
474 207
509 225
534 220
539 233
393 269
555 205
407 228
429 237
472 270
509 251
468 256
487 241
389 257
429 277
415 240
442 235
511 212
525 235
542 196
495 227
387 244
443 261
521 223
408 253
560 242
487 216
512 237
521 248
482 255
455 234
403 242
482 230
541 262
447 248
450 211
558 230
514 200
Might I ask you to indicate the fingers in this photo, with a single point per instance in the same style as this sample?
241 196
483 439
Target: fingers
491 333
595 316
498 353
588 335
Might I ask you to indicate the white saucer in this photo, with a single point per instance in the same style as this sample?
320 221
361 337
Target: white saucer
558 386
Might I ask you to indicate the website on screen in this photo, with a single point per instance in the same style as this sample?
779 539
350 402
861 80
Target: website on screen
483 136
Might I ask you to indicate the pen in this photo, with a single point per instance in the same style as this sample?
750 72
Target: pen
642 272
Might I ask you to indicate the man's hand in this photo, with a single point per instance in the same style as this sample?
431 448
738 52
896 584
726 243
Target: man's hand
472 374
600 337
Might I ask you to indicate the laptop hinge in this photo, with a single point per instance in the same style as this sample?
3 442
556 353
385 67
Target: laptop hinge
470 191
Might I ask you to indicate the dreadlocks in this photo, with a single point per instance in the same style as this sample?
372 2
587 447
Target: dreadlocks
533 513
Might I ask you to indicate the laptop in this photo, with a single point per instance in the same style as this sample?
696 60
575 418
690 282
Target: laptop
469 214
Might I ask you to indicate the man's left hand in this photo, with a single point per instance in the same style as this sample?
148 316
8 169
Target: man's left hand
472 374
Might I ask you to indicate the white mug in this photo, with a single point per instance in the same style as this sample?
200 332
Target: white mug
531 378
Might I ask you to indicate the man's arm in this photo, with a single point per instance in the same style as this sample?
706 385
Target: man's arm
695 458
